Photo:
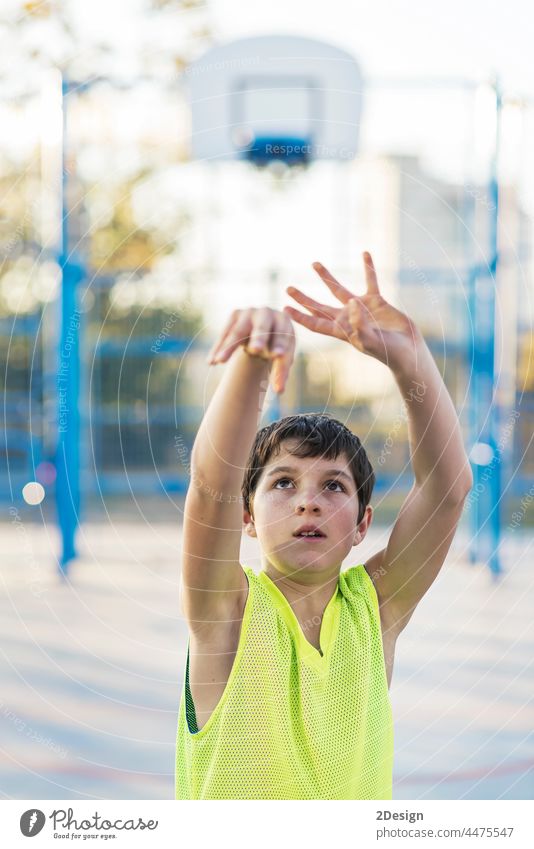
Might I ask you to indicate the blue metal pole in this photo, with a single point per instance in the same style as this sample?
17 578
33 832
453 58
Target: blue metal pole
68 375
469 220
487 484
496 477
473 414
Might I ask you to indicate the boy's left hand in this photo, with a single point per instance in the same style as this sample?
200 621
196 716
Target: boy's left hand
367 321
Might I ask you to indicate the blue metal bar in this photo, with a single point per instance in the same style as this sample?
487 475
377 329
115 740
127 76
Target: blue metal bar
142 345
68 375
486 493
124 481
154 414
494 422
20 325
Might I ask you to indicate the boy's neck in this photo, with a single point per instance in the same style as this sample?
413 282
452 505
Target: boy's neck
305 594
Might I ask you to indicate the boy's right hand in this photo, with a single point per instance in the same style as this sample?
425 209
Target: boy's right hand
263 332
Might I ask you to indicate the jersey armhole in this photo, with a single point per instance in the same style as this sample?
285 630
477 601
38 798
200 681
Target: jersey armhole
372 594
371 589
190 715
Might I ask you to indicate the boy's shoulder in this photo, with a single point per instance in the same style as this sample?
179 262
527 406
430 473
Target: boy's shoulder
354 575
357 580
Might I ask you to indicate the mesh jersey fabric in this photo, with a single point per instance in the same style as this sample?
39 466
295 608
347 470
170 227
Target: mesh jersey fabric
292 724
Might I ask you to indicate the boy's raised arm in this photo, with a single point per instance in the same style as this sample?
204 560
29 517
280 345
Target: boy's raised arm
259 343
421 536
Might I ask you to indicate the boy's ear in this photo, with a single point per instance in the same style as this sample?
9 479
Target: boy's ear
248 522
363 527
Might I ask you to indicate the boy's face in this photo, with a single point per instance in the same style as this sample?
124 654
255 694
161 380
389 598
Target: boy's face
316 491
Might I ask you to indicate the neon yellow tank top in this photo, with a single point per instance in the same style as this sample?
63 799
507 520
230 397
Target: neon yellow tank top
292 723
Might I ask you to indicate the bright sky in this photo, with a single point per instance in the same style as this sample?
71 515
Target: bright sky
419 37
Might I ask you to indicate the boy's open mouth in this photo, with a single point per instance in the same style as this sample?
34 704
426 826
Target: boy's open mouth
309 532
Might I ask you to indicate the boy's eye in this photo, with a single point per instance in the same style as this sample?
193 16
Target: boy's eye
281 480
285 480
338 484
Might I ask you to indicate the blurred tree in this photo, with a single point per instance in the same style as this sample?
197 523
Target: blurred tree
121 134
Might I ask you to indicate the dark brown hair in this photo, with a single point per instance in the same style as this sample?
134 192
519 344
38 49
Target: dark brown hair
319 435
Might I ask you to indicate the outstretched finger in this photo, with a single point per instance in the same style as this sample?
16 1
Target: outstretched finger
282 334
370 274
323 310
312 322
260 334
282 367
217 345
238 334
335 287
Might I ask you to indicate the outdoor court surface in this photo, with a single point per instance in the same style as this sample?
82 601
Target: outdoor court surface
92 670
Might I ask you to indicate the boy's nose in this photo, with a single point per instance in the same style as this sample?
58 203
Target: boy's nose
308 504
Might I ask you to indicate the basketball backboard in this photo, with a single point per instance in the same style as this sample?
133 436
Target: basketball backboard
275 98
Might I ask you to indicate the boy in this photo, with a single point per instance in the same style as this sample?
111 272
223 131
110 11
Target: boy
287 673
